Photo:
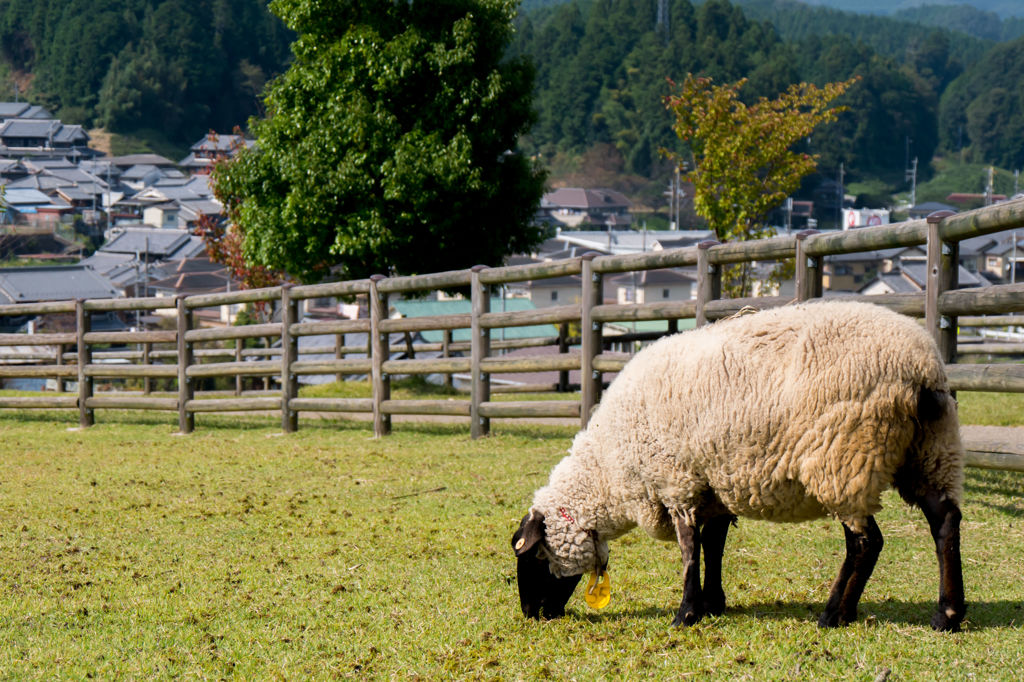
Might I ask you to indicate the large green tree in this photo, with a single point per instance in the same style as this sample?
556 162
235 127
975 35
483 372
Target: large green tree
389 144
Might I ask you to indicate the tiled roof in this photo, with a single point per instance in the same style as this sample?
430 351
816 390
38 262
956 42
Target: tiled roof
585 199
20 197
53 283
130 160
655 277
156 242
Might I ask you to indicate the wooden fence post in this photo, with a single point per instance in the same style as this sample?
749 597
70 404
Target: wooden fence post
380 382
709 281
446 352
563 348
480 348
147 383
238 358
591 295
808 270
289 354
186 419
83 320
943 273
339 343
60 361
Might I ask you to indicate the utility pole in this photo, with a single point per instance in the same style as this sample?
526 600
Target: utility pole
911 175
677 197
673 200
1013 260
839 198
989 186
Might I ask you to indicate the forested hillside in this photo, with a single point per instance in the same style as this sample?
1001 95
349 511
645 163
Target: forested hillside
602 70
173 69
1002 7
984 108
970 20
899 36
180 67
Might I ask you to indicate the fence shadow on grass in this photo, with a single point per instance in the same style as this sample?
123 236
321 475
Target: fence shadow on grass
980 614
985 483
558 435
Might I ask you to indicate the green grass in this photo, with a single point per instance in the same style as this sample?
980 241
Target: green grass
991 409
416 388
235 552
952 176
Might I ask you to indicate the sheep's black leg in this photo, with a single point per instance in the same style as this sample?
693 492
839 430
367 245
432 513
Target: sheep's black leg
944 519
862 550
712 539
690 610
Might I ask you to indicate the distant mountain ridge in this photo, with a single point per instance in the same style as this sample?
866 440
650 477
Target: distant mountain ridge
1004 8
1001 8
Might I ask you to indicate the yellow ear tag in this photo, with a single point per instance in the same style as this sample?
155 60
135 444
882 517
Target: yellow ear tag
599 590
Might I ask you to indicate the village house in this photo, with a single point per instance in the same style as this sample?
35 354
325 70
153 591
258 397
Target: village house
575 207
653 286
205 153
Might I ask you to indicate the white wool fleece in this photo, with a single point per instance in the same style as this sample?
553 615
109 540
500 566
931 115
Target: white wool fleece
793 413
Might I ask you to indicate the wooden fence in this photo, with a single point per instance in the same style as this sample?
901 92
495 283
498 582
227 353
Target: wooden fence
943 307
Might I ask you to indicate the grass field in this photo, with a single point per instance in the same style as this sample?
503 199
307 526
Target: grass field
239 553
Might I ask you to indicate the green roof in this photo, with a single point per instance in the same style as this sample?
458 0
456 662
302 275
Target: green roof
461 306
653 326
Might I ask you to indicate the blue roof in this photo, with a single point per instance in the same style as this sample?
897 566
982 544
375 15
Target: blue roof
430 308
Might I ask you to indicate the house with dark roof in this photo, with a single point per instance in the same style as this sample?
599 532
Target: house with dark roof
553 291
23 110
31 207
29 136
850 271
912 277
205 153
155 243
575 207
128 160
925 209
53 283
1003 257
652 286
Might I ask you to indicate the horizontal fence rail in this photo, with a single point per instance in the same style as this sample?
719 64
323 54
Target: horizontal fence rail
184 356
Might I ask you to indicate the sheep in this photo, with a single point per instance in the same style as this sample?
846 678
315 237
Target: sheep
788 414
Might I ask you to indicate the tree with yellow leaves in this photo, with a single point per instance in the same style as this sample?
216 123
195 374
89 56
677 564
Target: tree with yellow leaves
743 162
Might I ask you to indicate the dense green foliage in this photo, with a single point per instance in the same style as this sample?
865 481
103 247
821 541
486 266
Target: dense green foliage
898 36
173 69
389 143
179 66
1002 7
970 20
743 162
983 108
602 70
603 67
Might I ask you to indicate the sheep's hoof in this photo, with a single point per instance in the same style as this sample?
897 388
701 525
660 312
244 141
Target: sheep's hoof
947 620
714 605
687 616
831 619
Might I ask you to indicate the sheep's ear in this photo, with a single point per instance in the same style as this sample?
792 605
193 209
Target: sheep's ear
931 405
531 531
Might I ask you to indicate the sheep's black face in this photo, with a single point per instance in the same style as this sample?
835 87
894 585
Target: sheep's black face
540 592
